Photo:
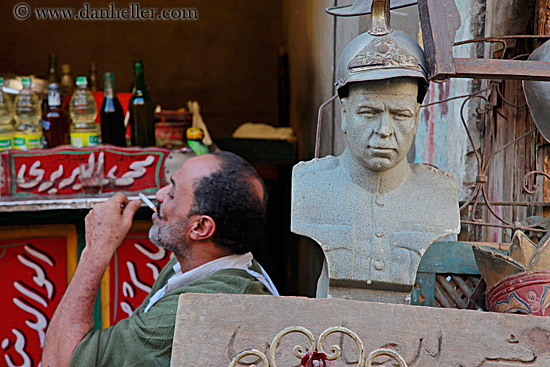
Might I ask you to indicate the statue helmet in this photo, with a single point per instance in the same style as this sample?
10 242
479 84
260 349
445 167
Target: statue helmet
537 93
381 53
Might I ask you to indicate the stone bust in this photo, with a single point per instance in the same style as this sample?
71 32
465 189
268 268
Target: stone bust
372 212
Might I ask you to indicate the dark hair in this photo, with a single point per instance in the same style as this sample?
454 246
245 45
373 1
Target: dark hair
229 197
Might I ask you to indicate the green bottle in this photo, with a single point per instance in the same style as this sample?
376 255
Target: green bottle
53 73
142 123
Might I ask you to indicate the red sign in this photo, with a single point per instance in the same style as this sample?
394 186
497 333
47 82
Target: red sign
58 171
34 275
133 271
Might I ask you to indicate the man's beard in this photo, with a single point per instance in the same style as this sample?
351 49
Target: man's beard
170 236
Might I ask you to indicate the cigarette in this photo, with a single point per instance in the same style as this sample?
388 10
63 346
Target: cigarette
147 202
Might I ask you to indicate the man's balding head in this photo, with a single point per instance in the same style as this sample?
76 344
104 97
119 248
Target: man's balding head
234 196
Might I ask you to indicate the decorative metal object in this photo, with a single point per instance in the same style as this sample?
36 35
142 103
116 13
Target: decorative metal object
316 355
381 53
380 18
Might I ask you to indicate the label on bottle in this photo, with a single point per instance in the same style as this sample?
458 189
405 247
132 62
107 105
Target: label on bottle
54 98
45 124
84 139
22 141
6 141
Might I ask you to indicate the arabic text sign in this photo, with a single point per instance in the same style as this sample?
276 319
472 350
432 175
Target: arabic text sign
132 273
57 171
34 274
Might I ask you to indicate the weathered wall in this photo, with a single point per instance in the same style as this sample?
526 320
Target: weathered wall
441 139
226 60
309 35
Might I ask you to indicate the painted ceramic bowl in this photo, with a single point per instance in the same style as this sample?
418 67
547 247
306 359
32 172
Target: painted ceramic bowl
524 293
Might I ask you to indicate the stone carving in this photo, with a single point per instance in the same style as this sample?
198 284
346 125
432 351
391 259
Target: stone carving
373 213
422 336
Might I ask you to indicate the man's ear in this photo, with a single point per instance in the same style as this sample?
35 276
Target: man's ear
343 109
202 227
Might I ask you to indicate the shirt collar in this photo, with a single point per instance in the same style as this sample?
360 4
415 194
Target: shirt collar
180 279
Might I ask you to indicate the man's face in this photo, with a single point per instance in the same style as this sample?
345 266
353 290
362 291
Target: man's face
170 230
380 119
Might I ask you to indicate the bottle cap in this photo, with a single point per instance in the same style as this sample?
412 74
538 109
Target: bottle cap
81 81
138 66
66 68
26 82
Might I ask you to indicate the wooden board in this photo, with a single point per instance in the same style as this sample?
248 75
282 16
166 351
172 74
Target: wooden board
212 329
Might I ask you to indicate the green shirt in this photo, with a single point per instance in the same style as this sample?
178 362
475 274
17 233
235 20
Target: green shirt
145 338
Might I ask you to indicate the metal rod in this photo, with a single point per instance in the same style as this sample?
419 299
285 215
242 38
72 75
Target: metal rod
512 203
507 37
319 122
503 226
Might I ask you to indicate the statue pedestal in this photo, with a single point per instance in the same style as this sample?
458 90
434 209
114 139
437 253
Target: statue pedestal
370 295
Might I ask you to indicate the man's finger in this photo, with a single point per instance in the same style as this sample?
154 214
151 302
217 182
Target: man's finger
130 209
119 199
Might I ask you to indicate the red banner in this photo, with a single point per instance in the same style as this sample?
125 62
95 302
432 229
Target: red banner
34 274
133 271
58 171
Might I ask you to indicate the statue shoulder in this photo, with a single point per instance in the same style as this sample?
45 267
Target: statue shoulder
432 178
316 166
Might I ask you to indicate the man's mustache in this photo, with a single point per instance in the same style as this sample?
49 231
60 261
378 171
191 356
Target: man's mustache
158 209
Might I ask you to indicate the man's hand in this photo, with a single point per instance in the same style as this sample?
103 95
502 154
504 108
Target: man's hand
108 223
106 226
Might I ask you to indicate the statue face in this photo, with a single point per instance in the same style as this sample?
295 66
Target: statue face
380 119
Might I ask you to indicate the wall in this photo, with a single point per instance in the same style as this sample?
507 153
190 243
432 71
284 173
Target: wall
441 139
309 35
226 60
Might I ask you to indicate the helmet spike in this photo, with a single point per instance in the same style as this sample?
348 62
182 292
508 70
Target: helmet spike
380 18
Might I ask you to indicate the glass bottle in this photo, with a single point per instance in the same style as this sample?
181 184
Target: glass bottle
28 131
53 73
6 117
112 115
55 121
142 123
66 82
83 111
93 77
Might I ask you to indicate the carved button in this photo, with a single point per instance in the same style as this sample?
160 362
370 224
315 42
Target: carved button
378 232
380 201
379 265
